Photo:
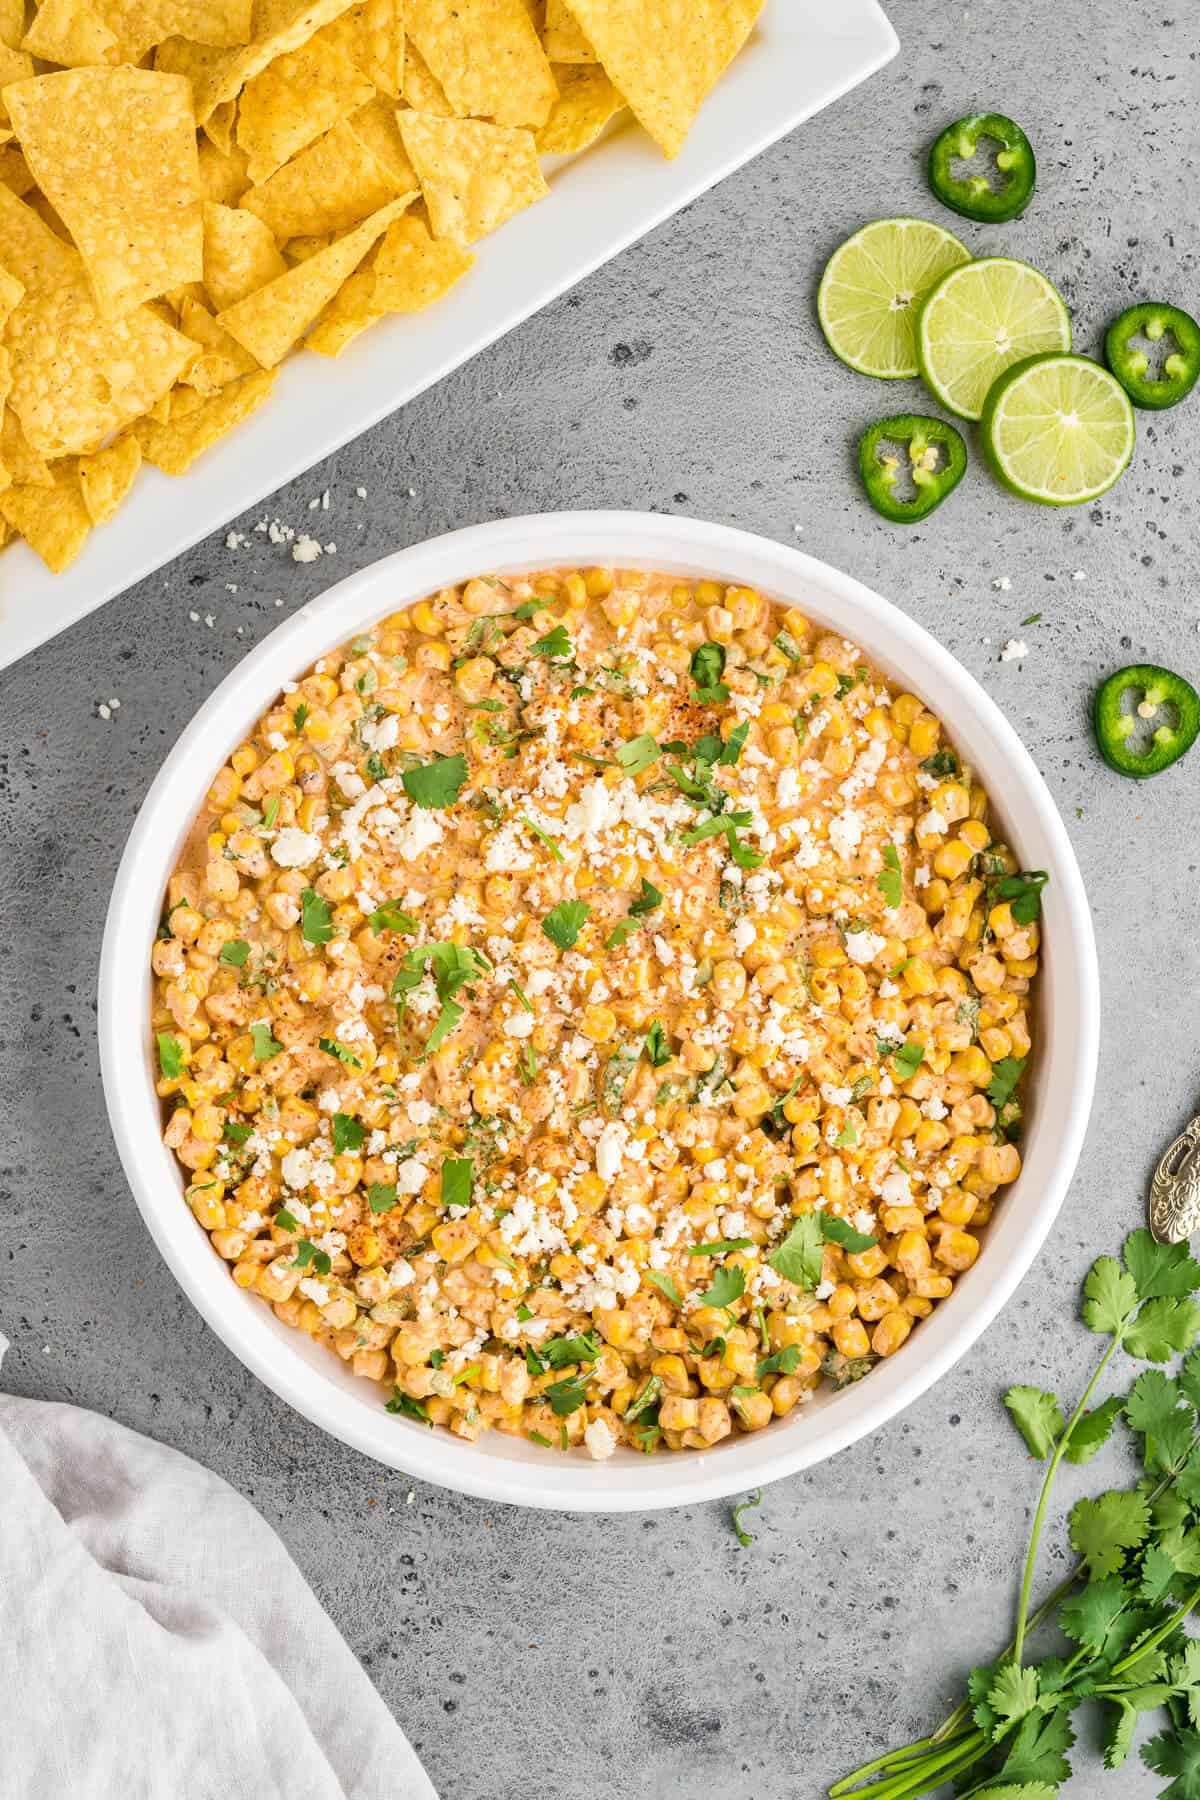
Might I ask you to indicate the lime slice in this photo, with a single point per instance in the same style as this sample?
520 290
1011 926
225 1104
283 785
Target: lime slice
1058 429
872 287
979 321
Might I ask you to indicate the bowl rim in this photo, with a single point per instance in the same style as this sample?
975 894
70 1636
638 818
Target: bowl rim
679 545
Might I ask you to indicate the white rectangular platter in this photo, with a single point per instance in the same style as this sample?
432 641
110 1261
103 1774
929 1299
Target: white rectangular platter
803 55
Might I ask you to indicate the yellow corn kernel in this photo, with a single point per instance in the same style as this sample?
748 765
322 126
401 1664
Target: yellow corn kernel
952 859
851 1338
455 1239
918 977
890 1333
672 1372
425 620
958 1206
905 709
971 1065
999 1163
923 736
957 1250
974 833
598 1023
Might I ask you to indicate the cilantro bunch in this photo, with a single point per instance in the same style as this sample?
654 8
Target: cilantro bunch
1124 1609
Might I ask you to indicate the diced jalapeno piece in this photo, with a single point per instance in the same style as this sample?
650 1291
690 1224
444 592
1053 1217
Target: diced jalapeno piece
1167 705
976 196
935 455
1180 367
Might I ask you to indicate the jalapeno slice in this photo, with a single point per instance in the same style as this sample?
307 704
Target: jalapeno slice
974 195
1180 368
1166 742
936 457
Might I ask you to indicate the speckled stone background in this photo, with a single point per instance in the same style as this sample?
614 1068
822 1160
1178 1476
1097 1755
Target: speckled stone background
649 1657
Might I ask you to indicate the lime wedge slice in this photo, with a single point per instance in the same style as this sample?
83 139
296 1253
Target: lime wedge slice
1058 429
872 287
979 321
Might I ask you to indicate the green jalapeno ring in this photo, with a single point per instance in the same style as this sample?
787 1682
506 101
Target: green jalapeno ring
1114 728
922 437
973 195
1181 369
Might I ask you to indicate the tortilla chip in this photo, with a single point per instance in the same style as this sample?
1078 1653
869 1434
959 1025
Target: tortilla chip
562 39
15 65
222 358
423 91
666 57
375 124
12 23
295 99
487 57
72 33
240 255
127 185
271 321
587 100
350 311
330 186
14 172
300 249
219 75
223 176
18 456
473 175
372 36
12 292
53 520
107 477
141 24
193 428
77 375
413 270
218 127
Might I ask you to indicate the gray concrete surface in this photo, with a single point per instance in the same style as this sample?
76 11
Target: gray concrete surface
650 1657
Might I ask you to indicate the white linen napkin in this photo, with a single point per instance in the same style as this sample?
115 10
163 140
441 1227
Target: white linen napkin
157 1641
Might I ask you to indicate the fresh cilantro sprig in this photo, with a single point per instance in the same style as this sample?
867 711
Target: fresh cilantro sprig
1125 1606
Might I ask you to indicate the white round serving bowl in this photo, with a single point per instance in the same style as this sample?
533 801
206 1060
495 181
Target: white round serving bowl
498 1467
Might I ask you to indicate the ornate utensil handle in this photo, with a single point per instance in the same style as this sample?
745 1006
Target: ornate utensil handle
1175 1188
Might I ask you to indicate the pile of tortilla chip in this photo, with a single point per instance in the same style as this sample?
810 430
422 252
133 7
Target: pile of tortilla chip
192 189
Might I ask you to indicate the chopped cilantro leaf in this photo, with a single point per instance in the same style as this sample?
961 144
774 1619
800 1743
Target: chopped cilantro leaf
889 880
348 1134
331 1047
638 754
1024 893
720 1245
665 1286
743 1536
567 1396
381 1196
436 783
308 1255
556 645
404 1404
265 1046
391 916
458 1177
727 1286
657 1048
234 952
316 918
564 922
285 1221
170 1056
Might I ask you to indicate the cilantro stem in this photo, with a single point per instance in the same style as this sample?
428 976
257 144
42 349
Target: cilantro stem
1156 1637
931 1772
1043 1498
907 1754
